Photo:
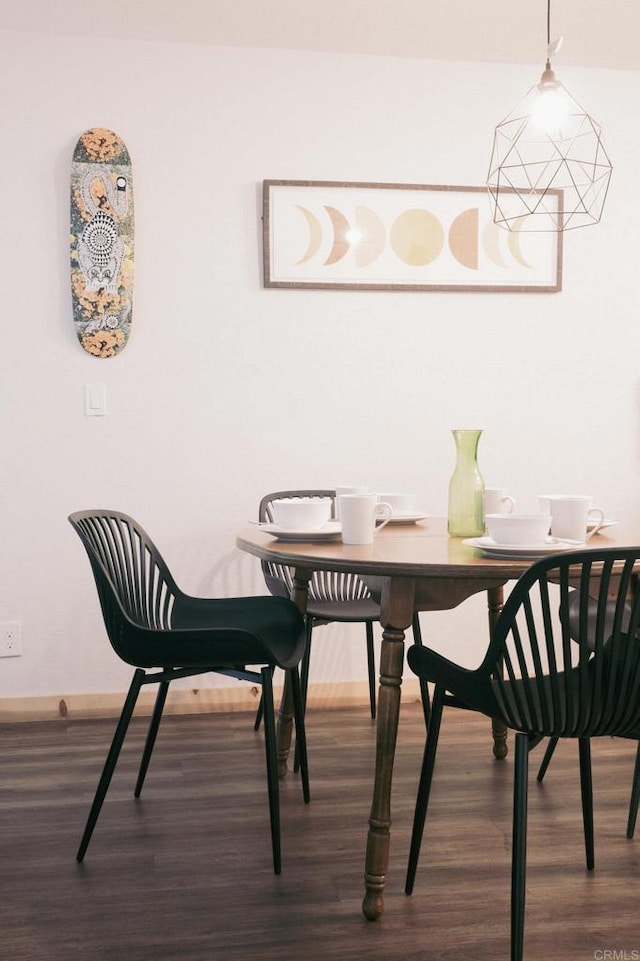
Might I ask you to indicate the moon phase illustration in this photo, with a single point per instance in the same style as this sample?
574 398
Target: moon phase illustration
513 241
315 235
417 237
463 238
372 236
491 242
341 242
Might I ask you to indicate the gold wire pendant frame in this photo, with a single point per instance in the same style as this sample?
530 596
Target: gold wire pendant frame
548 180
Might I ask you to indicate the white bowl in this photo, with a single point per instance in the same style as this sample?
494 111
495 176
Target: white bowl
527 529
301 513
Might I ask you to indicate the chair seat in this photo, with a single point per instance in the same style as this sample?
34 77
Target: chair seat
203 632
356 610
249 630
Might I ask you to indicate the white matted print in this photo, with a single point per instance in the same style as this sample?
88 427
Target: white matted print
370 236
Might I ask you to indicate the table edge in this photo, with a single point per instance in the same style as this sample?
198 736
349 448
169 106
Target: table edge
479 568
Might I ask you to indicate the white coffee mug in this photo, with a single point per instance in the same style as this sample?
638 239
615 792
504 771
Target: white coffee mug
497 501
347 490
544 500
358 516
401 504
570 514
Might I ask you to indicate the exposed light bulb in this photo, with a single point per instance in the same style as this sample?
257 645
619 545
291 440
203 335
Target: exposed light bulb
354 236
552 106
550 111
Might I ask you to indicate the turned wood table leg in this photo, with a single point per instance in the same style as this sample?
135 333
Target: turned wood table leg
397 607
495 602
299 595
500 746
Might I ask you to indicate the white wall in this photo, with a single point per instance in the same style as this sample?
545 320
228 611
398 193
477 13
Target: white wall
228 390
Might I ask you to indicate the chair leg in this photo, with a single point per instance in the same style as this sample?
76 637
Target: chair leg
424 687
152 733
635 796
272 766
301 738
304 667
519 845
110 763
548 754
259 712
304 683
584 749
371 664
424 788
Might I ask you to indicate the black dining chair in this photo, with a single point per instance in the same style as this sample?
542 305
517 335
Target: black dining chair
573 620
333 597
542 683
166 634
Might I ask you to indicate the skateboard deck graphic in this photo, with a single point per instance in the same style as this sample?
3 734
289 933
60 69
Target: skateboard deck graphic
102 242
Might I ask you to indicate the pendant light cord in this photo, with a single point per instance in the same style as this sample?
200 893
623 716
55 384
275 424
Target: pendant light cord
548 65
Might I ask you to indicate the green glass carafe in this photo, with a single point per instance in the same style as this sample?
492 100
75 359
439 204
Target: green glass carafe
466 488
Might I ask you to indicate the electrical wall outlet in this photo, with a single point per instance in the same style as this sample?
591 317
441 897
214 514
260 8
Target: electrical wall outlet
10 639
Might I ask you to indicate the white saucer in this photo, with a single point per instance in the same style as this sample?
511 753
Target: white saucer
407 518
605 523
329 532
489 547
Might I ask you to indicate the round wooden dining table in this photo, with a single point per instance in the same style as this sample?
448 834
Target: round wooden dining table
413 567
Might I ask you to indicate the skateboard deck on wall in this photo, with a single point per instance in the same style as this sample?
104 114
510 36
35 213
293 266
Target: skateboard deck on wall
102 242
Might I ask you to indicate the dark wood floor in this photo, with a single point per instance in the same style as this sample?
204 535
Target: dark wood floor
184 874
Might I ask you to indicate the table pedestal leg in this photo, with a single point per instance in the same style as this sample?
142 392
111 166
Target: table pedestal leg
299 595
397 607
500 746
495 602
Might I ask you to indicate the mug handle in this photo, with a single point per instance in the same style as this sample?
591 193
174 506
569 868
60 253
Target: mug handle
510 502
386 511
598 524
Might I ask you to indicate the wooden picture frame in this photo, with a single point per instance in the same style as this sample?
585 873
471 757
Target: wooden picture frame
377 236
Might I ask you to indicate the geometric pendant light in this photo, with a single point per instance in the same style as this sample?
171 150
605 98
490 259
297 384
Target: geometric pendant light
549 169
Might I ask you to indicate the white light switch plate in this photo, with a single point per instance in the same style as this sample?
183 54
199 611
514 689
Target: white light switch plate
95 400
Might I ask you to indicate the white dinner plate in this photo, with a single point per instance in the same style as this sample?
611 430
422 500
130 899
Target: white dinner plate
605 523
407 518
329 532
489 547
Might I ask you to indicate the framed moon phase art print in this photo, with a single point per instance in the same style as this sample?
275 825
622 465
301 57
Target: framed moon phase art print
371 236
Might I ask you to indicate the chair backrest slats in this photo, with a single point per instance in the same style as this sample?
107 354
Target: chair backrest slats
565 654
324 585
128 569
